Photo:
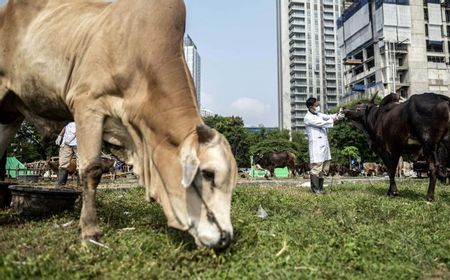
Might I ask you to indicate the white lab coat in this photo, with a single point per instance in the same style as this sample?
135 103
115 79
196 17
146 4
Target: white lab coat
316 128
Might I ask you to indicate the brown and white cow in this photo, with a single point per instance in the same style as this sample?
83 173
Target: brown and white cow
119 71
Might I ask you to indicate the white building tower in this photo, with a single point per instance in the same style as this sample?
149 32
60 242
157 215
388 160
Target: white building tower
309 60
194 64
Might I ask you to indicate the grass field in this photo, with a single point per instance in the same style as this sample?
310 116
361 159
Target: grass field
353 232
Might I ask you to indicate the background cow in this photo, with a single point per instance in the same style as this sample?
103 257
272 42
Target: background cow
338 169
303 169
117 68
371 169
270 161
418 125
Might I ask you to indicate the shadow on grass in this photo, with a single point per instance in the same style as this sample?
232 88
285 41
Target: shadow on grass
8 217
148 215
382 190
413 195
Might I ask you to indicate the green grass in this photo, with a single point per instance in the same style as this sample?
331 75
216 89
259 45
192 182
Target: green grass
353 232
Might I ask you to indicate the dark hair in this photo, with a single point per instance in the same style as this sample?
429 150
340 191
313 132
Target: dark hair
310 101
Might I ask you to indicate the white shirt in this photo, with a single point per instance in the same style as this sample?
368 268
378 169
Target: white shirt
69 134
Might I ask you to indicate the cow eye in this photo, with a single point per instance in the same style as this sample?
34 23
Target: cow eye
208 175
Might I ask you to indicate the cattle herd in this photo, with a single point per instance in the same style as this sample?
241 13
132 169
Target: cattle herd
270 161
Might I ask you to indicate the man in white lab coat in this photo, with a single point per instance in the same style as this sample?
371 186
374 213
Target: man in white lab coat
319 149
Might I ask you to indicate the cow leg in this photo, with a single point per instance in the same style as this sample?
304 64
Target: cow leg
391 163
431 159
89 129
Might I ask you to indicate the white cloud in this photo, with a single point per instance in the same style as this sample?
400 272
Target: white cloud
253 111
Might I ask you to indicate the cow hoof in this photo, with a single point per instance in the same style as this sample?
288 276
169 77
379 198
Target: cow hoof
430 199
393 193
93 233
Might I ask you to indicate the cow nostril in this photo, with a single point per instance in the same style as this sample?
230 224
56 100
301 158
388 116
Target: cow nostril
225 239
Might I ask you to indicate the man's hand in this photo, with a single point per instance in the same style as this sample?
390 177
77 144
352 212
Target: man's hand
340 115
58 140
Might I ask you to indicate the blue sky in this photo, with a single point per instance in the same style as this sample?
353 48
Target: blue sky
236 40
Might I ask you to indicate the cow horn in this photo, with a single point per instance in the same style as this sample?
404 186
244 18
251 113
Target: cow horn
205 133
374 96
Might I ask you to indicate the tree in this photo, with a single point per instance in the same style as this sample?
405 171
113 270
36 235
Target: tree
345 135
351 152
274 145
301 142
29 145
233 129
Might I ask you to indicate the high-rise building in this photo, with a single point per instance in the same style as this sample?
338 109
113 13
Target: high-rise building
194 64
309 60
395 46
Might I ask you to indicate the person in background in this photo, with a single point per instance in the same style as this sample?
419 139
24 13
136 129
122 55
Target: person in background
316 125
68 148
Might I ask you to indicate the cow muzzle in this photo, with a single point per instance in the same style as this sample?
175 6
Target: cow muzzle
213 239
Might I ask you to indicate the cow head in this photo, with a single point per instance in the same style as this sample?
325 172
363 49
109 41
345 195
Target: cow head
357 112
360 110
195 186
257 158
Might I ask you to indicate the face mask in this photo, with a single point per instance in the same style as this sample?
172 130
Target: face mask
318 109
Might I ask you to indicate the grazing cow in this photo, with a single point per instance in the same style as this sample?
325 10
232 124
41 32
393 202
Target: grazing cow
338 169
303 168
370 169
399 169
117 68
404 168
415 126
407 169
270 161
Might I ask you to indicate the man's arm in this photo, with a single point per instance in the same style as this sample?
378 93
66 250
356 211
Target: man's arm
60 137
319 122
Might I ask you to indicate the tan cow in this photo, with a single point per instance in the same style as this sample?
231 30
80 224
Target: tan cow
370 169
118 70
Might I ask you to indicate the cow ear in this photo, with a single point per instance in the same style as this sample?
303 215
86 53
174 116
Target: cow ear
205 133
189 166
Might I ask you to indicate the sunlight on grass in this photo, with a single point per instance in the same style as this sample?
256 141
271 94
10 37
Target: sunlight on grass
354 231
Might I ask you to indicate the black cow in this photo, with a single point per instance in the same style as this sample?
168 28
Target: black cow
270 161
418 125
303 168
337 169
